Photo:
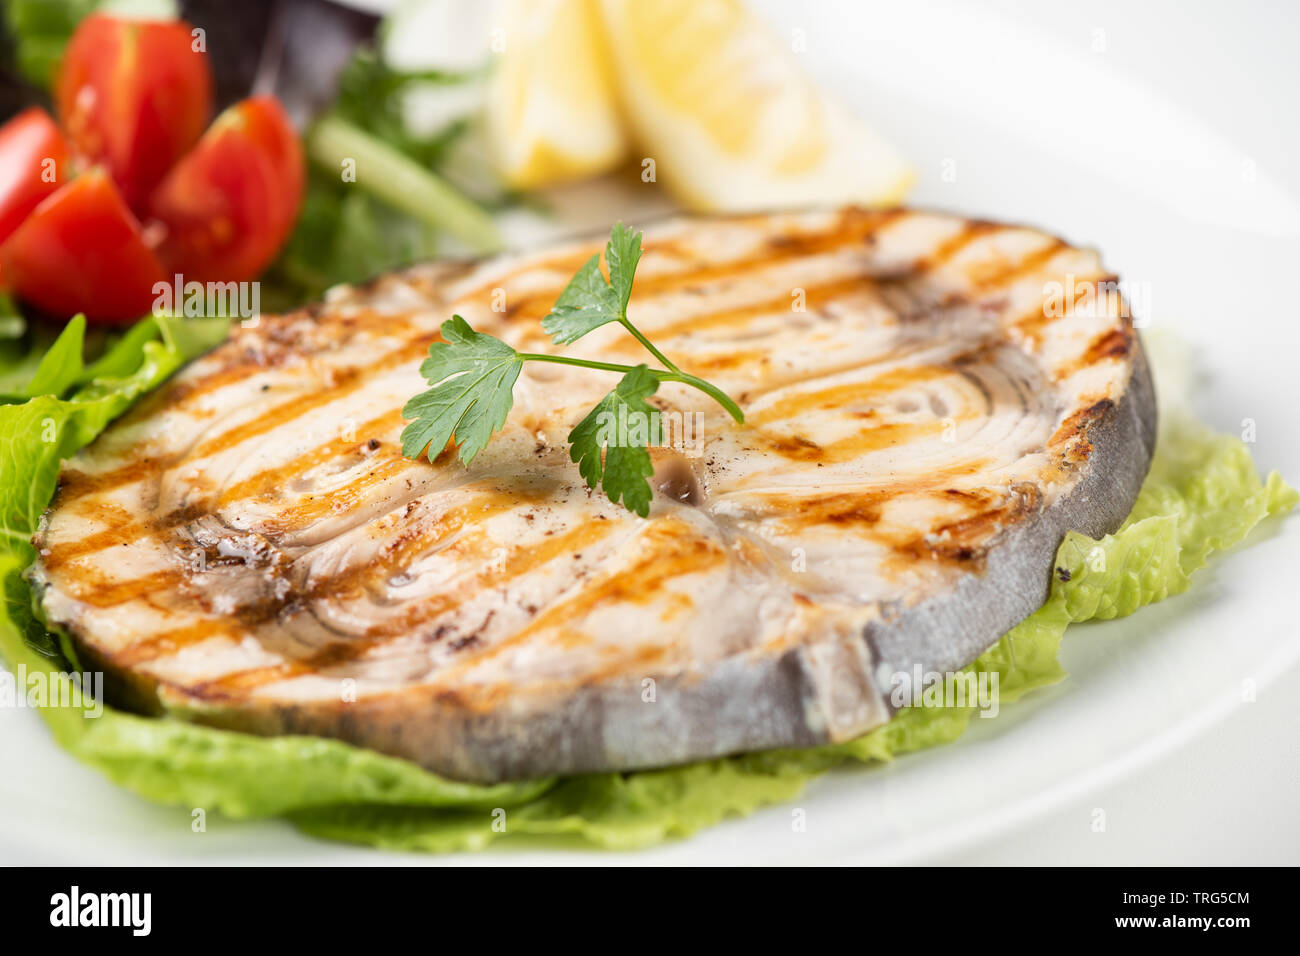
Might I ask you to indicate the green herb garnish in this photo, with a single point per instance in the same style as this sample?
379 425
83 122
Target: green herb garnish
473 377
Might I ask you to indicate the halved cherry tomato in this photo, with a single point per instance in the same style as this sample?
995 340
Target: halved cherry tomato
34 157
229 205
133 96
81 251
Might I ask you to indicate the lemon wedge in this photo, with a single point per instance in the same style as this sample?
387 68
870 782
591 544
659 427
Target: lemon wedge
551 110
729 119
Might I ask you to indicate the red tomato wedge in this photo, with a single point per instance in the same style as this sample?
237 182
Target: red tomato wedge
229 205
133 95
33 164
81 251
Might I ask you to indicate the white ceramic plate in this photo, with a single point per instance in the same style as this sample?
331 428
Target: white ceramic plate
1005 122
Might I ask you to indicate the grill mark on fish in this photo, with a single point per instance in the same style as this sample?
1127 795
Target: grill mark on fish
267 481
120 524
971 231
673 550
252 357
836 395
344 383
169 643
353 647
967 541
1004 274
777 382
74 484
1076 427
794 511
420 539
1113 344
1034 324
311 508
855 228
96 590
411 540
816 296
81 486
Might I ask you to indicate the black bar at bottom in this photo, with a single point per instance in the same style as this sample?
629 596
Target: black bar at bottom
221 906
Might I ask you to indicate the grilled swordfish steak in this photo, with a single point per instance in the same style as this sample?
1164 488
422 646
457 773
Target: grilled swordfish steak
931 402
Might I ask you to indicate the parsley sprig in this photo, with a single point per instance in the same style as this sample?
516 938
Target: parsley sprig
473 376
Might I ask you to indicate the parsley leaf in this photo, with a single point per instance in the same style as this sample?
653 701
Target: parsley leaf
590 300
622 253
473 377
586 303
622 426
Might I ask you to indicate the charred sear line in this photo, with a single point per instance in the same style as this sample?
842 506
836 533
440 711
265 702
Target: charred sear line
1071 438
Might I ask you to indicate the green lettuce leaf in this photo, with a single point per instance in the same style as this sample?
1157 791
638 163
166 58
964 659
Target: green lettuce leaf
40 29
1203 494
614 811
61 365
37 434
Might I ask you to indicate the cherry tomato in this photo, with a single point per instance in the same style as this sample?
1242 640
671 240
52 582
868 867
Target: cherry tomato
81 251
133 96
33 164
229 205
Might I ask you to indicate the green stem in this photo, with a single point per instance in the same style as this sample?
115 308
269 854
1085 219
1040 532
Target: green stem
401 182
579 363
663 359
717 394
708 388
